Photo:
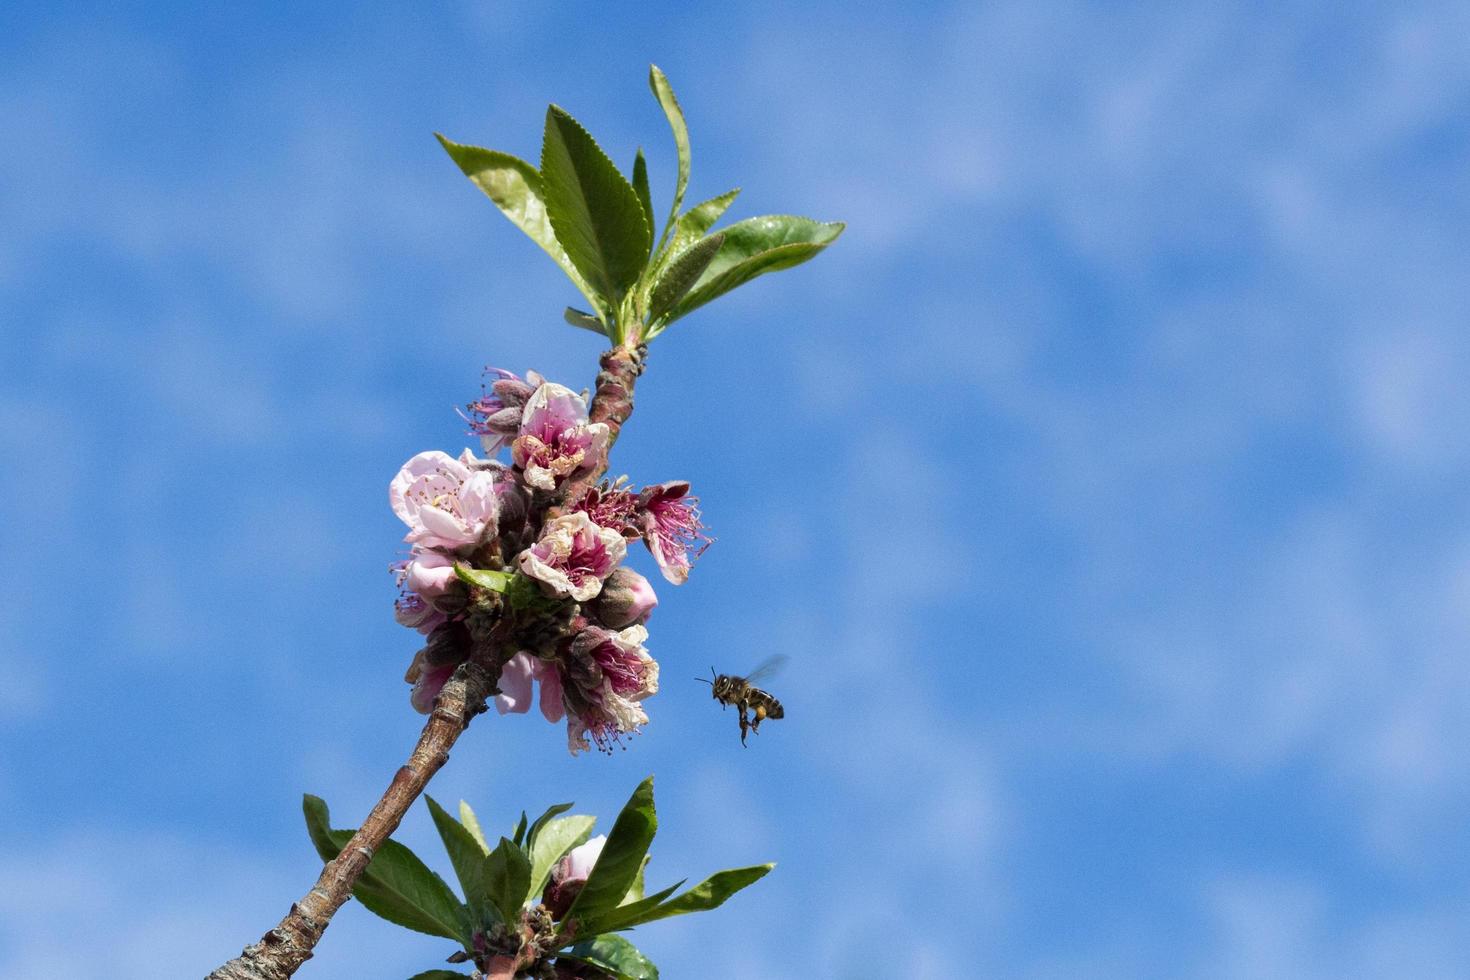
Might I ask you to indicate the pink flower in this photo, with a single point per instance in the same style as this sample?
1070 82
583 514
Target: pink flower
612 507
515 687
671 527
429 574
412 611
496 415
556 442
626 599
607 675
570 875
573 557
446 502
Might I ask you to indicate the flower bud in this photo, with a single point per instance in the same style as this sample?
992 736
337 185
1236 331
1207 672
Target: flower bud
570 875
626 599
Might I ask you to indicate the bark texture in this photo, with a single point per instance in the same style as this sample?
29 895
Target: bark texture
280 952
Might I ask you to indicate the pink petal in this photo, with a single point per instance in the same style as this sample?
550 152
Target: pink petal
551 705
428 686
515 685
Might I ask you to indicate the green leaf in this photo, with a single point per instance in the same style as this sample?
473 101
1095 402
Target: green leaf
626 916
584 320
754 247
465 854
484 578
515 187
702 217
690 228
396 886
439 975
594 211
681 275
621 856
520 834
507 880
549 843
710 893
472 824
615 955
664 92
541 821
640 187
635 890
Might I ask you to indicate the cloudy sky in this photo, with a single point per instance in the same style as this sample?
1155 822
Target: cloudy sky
1105 483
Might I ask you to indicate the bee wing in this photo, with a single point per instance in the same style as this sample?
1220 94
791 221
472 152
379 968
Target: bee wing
766 668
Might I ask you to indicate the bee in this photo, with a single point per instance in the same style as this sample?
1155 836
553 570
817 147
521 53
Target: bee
755 704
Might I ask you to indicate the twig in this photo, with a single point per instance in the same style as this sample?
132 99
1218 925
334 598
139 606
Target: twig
281 951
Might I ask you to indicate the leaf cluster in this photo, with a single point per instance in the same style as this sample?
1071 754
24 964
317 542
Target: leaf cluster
599 226
499 884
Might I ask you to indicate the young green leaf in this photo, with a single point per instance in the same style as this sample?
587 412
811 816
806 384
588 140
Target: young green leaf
621 856
550 843
640 187
664 92
541 821
593 209
635 890
519 837
690 228
396 886
692 224
465 854
754 247
507 880
584 320
472 824
710 893
615 955
683 271
515 187
629 915
485 578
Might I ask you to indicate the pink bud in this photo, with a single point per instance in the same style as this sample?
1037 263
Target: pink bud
569 875
626 599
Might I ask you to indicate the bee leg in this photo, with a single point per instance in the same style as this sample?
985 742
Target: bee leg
744 724
760 716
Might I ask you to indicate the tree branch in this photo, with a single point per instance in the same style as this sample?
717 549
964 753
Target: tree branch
280 952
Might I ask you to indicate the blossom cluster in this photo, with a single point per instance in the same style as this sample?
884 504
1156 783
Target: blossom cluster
520 563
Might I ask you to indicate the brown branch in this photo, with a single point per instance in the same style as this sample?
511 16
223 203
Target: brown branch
612 404
281 951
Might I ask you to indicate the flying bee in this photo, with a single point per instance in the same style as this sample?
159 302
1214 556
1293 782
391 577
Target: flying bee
755 704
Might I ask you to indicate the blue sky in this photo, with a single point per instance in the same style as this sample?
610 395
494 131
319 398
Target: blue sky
1105 482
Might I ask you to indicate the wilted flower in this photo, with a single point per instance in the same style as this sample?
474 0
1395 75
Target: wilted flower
570 874
626 599
556 441
445 502
671 527
573 556
607 675
515 687
496 415
613 507
432 666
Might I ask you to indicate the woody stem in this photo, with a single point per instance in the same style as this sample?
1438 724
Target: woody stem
282 950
